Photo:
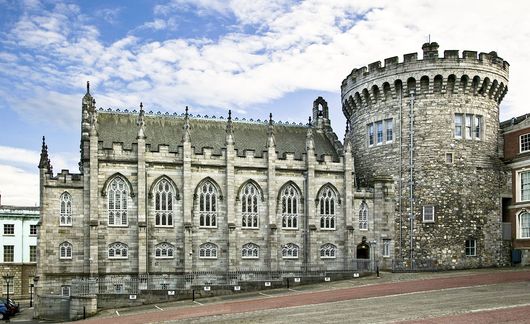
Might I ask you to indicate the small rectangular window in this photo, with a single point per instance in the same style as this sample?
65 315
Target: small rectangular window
477 123
371 134
65 291
458 125
471 247
118 288
524 142
9 229
386 248
9 253
389 130
428 214
32 253
469 127
449 158
525 185
379 126
33 230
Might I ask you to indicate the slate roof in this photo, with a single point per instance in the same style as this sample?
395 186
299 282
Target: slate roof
168 130
514 121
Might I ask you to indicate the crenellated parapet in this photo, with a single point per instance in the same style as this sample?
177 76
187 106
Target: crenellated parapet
453 74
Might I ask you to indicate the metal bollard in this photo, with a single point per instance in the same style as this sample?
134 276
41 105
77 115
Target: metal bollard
193 294
377 271
84 312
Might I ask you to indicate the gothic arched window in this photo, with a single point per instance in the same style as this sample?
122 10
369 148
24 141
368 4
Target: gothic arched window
118 250
290 251
207 205
328 251
250 206
65 250
164 193
326 202
250 251
290 205
117 202
208 251
66 210
164 250
363 216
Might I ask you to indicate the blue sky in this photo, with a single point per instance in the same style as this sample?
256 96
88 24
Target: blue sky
253 57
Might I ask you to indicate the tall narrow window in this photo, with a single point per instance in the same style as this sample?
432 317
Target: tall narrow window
32 253
65 250
326 202
250 206
389 130
458 125
471 247
524 225
290 251
250 251
525 186
386 247
428 214
363 216
32 230
328 251
379 126
118 250
524 142
371 134
164 251
9 253
164 203
66 210
117 202
207 205
290 207
469 126
477 123
208 251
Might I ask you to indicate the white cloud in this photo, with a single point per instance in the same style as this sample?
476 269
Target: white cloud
18 186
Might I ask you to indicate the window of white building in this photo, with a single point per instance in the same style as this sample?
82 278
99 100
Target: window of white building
208 251
250 251
66 210
290 203
9 229
118 250
32 230
117 202
32 253
207 205
164 193
250 199
9 253
326 202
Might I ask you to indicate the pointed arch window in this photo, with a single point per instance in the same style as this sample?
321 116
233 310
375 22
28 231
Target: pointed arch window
118 250
66 210
65 251
328 251
290 251
250 251
207 205
290 205
208 251
117 202
164 193
164 251
327 207
363 216
250 198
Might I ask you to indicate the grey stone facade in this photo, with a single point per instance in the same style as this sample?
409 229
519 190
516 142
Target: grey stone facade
459 176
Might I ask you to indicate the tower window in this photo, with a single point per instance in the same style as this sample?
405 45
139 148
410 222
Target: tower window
428 214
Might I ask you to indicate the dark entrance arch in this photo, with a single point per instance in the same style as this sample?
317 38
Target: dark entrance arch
363 250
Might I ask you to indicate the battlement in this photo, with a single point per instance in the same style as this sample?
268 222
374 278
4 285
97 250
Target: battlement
430 58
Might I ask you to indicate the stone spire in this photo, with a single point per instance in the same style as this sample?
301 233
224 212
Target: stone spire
186 137
310 143
271 141
347 138
141 122
229 129
44 158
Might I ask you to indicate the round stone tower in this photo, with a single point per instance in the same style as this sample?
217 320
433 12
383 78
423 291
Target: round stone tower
433 125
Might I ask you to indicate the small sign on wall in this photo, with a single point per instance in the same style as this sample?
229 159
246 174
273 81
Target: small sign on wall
237 288
171 292
207 288
356 275
267 283
132 296
327 279
296 279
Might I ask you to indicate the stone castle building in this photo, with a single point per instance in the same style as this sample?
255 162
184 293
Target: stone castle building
433 126
417 182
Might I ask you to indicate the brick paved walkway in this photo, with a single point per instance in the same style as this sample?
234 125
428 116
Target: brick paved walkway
376 290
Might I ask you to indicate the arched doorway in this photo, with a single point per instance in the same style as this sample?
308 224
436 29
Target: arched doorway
363 249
